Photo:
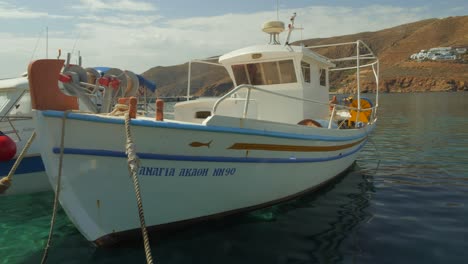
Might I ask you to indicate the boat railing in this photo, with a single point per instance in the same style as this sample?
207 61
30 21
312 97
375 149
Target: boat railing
11 119
364 57
333 114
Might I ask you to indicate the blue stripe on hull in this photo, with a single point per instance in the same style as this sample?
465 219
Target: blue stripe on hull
121 154
27 165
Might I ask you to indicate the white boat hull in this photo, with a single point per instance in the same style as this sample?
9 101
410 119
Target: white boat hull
26 183
187 171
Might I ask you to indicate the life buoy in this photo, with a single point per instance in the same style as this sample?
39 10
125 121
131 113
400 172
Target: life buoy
364 115
7 147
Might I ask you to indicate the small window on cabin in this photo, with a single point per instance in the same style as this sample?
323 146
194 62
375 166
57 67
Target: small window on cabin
288 74
271 72
305 67
323 77
202 114
22 108
240 74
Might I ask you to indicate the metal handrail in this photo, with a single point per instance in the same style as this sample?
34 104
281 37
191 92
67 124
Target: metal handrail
14 118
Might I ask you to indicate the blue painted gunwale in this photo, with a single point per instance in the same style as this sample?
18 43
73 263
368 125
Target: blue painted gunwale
162 124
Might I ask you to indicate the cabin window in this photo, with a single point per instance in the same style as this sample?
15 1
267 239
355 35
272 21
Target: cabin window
265 73
22 107
288 75
240 74
305 67
271 73
202 114
255 73
323 77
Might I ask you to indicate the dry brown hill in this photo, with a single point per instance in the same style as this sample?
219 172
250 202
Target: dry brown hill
393 46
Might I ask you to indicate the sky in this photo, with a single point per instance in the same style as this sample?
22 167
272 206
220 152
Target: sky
137 35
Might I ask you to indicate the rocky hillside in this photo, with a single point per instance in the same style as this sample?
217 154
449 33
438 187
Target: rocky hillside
393 46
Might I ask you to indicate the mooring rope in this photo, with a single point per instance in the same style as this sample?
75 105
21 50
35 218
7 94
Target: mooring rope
133 164
57 189
119 110
5 182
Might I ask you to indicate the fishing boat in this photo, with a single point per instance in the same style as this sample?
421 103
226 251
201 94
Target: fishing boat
16 126
271 138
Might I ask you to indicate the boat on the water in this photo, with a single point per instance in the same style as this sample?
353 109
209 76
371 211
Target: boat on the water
16 125
273 137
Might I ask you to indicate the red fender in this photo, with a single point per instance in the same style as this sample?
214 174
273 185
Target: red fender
7 147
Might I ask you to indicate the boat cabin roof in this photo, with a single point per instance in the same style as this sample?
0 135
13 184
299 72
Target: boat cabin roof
272 52
20 83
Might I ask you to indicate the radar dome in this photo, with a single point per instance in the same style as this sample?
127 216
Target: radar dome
273 27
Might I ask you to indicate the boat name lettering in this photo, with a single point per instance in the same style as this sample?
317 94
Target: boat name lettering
193 172
154 171
185 172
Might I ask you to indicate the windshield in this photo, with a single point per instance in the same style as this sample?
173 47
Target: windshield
265 73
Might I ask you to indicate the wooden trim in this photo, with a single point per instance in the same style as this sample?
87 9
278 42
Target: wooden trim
295 148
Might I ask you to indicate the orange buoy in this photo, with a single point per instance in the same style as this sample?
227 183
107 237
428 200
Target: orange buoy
131 102
333 102
7 147
159 110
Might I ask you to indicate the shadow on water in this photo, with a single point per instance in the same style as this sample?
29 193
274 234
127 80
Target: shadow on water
310 229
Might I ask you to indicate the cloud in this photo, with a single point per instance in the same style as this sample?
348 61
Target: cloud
8 11
123 19
121 5
139 42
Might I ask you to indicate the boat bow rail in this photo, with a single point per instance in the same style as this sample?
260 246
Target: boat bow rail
362 53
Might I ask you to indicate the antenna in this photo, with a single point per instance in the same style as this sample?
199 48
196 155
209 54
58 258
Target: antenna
290 27
76 40
277 9
47 43
35 47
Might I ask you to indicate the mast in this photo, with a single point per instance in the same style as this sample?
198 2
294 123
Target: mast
47 43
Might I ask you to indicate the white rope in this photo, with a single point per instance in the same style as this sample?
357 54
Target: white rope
57 189
133 164
119 110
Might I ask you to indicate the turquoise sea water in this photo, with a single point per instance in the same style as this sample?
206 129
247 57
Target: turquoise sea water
406 202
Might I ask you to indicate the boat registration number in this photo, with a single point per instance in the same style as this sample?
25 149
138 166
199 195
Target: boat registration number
186 172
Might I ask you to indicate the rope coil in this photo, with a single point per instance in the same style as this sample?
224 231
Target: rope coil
119 110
